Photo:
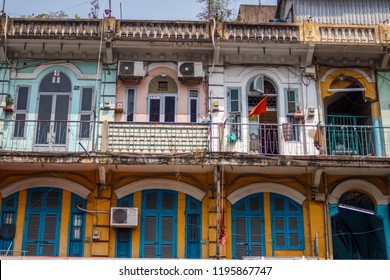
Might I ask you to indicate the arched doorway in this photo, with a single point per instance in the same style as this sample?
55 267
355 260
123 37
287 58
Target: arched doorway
263 129
53 110
248 225
357 231
162 99
348 118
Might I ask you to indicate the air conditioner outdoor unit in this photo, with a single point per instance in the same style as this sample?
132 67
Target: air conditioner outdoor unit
125 217
190 70
131 70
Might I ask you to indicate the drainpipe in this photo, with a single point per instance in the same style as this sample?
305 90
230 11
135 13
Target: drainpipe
95 99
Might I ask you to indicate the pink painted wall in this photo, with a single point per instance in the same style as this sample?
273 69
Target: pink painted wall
141 93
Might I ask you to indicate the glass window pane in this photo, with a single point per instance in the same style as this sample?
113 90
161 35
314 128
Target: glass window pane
130 105
22 98
234 100
169 109
86 99
193 111
85 126
19 125
154 110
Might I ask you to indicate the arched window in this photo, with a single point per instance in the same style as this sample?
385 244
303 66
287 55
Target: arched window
41 235
53 109
162 99
263 129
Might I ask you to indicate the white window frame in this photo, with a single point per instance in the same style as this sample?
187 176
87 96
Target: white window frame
290 115
162 105
22 111
84 112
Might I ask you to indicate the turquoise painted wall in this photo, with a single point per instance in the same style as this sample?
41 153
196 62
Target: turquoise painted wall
31 73
384 99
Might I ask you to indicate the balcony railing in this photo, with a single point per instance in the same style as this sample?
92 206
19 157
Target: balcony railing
299 140
262 32
47 136
54 28
158 137
266 139
171 138
348 34
357 140
160 30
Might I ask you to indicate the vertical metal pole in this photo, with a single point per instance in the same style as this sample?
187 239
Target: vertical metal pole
120 7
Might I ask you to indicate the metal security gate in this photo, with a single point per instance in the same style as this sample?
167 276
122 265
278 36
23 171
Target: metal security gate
159 224
42 222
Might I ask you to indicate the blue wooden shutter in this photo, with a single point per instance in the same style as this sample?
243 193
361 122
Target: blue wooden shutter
124 235
193 228
287 223
234 100
8 221
77 226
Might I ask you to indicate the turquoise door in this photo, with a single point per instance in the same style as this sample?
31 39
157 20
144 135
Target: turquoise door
159 224
124 235
248 227
42 222
193 228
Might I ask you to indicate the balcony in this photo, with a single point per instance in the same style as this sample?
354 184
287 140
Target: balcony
179 138
157 137
267 139
299 140
47 136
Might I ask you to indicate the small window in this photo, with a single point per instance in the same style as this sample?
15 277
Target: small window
234 99
130 105
293 114
162 86
193 106
86 113
21 111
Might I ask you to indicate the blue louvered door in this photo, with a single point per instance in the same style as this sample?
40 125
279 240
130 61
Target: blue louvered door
42 222
159 224
248 227
193 228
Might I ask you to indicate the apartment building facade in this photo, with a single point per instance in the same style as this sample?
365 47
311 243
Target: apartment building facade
134 139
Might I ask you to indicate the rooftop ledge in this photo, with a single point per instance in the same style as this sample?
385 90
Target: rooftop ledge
168 30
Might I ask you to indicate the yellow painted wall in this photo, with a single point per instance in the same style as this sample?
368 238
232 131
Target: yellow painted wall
136 237
181 225
22 202
314 223
64 227
267 224
205 227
